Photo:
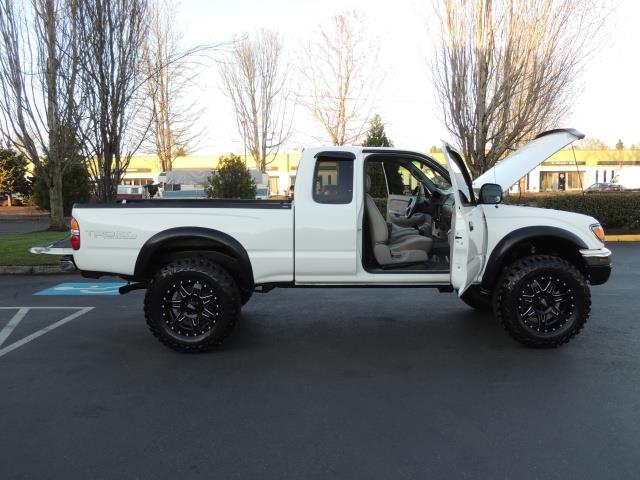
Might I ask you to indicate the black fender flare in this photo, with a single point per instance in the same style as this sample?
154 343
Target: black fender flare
496 259
229 247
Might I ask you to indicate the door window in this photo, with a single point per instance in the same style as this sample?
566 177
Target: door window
333 181
462 180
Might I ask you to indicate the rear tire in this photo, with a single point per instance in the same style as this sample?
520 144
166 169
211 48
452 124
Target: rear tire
478 298
542 301
192 304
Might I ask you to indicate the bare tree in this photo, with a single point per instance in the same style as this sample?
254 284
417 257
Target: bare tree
340 78
170 71
254 80
40 103
591 143
113 34
506 70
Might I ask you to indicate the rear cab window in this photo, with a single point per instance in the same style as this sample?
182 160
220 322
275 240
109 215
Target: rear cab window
333 180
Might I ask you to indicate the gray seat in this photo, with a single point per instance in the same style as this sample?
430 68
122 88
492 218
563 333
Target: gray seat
391 249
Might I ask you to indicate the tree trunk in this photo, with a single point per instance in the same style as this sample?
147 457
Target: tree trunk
55 200
9 200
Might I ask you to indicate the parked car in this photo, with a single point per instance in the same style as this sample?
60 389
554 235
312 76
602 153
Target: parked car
201 260
604 187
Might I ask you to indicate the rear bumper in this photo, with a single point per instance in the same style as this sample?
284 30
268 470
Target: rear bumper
67 264
597 265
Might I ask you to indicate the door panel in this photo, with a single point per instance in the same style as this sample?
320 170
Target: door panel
397 207
467 247
469 226
325 222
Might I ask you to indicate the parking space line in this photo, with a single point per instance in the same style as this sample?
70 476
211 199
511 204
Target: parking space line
13 323
9 348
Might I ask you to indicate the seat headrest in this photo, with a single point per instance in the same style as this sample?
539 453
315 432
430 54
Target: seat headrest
367 183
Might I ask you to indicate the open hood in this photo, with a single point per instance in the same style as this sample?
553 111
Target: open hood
508 171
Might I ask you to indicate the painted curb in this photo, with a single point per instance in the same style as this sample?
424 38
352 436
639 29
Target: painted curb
31 270
622 238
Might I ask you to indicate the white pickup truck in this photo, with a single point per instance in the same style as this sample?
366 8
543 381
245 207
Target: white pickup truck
201 260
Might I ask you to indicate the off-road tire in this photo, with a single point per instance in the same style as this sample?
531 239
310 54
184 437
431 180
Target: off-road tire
516 287
478 298
245 296
218 282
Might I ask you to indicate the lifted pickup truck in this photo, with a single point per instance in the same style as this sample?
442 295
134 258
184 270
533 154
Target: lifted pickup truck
201 260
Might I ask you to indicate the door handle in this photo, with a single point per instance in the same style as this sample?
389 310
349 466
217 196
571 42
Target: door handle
470 227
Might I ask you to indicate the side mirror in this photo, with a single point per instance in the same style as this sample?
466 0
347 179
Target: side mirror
491 194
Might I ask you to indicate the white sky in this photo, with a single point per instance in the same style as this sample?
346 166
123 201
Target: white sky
608 107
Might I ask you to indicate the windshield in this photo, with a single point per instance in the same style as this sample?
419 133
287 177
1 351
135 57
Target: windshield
434 179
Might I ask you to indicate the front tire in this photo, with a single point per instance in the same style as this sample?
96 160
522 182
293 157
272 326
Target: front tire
192 304
542 301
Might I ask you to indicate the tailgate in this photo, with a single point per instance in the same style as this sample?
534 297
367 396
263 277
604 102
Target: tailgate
61 247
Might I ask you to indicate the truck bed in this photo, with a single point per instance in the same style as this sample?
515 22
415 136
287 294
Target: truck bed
113 235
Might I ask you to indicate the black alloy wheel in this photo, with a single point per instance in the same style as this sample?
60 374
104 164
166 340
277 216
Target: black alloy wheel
542 301
546 304
192 304
190 307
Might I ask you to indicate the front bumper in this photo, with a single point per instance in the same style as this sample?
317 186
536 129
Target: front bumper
597 265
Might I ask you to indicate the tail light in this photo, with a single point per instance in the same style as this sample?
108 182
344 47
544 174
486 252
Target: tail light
75 234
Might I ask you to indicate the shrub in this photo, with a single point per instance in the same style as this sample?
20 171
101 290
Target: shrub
231 180
612 210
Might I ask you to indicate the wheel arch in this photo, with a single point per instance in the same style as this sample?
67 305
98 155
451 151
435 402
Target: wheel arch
181 242
529 240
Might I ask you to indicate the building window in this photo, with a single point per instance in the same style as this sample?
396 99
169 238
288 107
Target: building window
558 181
333 181
274 185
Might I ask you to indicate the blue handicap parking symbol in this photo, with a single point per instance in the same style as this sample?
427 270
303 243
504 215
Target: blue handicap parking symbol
83 288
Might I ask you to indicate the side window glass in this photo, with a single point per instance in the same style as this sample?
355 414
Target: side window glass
333 180
463 188
378 188
394 178
401 180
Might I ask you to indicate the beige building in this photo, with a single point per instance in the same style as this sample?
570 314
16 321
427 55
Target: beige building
562 169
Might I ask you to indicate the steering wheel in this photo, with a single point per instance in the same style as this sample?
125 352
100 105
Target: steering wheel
416 198
411 206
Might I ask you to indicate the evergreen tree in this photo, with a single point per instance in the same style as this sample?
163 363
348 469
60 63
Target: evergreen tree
231 180
76 187
376 136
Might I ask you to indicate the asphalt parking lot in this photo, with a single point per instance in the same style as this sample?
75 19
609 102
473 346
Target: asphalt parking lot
326 383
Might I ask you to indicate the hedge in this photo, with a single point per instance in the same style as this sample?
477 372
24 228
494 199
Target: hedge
612 210
620 211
